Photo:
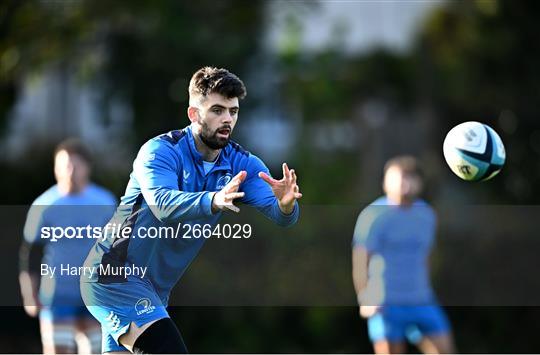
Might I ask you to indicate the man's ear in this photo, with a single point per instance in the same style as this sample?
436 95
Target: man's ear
193 114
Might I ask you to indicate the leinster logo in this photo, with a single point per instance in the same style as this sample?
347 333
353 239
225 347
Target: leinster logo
144 306
222 181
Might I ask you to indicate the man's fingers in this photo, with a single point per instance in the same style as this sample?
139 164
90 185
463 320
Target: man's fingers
235 182
241 176
296 188
267 178
286 172
293 176
233 195
232 187
232 208
238 178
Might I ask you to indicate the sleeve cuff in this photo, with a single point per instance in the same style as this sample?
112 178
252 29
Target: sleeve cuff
288 219
207 203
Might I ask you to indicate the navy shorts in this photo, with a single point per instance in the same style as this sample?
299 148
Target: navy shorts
398 323
116 305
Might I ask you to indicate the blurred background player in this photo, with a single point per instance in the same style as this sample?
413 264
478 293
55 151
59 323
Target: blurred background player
392 241
65 324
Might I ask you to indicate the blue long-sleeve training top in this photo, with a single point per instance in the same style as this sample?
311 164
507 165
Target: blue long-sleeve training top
171 184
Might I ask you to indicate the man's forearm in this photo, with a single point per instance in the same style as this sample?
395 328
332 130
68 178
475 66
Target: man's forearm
359 270
29 287
360 283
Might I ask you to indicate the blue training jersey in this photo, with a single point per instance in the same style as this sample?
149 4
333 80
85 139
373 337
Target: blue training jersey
398 240
92 207
168 186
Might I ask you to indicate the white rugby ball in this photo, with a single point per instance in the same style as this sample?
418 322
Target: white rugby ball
474 151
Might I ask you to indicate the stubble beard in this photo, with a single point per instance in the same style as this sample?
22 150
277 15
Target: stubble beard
210 139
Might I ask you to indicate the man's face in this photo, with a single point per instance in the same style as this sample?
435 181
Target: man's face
71 171
401 187
217 117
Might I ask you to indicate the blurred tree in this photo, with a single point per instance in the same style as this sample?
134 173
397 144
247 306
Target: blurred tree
472 60
141 51
480 62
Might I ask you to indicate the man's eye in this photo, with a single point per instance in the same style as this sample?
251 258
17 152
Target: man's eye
234 112
217 111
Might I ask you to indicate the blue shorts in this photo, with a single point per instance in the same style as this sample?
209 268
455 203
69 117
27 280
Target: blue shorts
116 305
398 323
56 314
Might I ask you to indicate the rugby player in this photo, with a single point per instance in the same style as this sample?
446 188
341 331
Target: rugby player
392 241
74 201
190 176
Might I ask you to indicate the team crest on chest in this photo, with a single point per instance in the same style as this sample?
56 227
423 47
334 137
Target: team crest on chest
222 181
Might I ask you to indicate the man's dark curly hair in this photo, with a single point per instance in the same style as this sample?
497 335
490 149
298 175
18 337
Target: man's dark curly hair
74 146
407 164
209 80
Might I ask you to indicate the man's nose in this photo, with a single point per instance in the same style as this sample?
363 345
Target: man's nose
227 118
70 169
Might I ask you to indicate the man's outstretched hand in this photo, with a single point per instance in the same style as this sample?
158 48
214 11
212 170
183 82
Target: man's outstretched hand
286 190
224 198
